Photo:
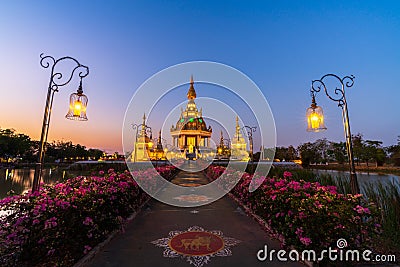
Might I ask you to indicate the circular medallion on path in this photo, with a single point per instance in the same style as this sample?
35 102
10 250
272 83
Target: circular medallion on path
196 245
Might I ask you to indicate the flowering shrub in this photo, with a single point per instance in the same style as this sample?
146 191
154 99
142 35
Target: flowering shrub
167 171
303 214
58 224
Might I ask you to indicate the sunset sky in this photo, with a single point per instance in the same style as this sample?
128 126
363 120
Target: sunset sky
281 45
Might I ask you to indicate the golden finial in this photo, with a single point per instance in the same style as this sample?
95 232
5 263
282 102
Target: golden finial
159 138
191 93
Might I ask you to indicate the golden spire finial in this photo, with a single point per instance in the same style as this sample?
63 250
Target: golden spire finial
159 138
191 93
144 118
237 134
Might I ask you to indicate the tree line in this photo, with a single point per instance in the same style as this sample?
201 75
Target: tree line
369 152
20 147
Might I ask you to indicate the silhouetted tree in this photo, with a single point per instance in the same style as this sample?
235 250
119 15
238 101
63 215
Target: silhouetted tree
357 147
394 152
337 152
373 151
13 145
286 153
308 154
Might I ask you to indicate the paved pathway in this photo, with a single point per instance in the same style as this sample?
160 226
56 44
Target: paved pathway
218 234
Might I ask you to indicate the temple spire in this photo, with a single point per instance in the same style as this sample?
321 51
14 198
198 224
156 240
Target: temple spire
143 129
237 128
191 93
144 119
159 139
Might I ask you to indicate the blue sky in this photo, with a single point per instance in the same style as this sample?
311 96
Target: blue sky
281 45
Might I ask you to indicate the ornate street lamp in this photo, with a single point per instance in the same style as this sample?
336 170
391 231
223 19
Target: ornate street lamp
144 131
315 118
77 107
250 131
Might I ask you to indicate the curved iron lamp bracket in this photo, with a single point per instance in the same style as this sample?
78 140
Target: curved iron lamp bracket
147 129
339 93
249 130
56 78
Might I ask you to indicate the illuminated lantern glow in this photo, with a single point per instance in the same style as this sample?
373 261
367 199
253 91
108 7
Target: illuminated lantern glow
77 105
315 117
77 108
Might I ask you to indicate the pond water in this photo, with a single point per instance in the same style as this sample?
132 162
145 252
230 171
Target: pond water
364 178
20 180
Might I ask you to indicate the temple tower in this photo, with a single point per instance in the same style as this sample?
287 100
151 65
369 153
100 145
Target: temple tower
190 134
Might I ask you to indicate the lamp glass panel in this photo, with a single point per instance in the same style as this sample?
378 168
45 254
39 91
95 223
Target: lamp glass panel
315 119
77 107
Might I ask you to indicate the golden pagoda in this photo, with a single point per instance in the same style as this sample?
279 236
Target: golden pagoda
238 145
190 134
156 151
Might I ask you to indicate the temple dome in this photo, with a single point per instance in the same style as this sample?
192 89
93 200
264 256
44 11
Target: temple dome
191 124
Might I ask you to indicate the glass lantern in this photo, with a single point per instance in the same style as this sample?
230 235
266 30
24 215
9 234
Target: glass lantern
315 117
77 105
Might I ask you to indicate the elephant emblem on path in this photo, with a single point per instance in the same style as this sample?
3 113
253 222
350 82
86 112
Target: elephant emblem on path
196 243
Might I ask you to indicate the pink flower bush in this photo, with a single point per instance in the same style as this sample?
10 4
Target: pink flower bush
305 215
87 249
88 221
58 224
305 240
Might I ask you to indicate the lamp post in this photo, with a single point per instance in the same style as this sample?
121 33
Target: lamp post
315 117
250 131
144 130
77 105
